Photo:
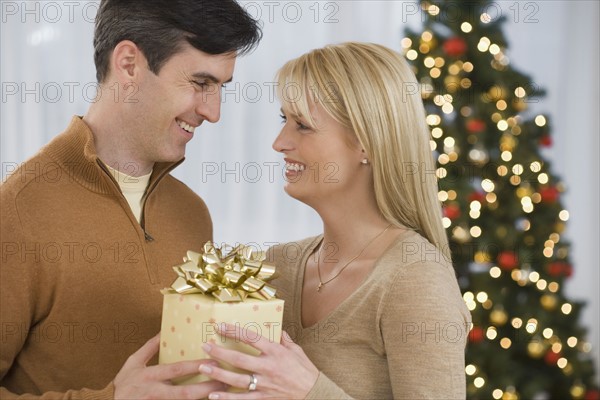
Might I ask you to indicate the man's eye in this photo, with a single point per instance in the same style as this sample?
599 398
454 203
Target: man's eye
201 85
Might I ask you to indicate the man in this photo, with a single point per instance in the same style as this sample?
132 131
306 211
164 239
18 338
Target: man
88 238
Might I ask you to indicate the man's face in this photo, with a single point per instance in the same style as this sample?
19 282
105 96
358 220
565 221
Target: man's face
170 105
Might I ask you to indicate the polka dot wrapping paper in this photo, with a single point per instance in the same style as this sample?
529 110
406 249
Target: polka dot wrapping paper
189 320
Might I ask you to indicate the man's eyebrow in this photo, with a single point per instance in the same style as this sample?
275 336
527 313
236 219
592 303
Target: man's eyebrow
209 77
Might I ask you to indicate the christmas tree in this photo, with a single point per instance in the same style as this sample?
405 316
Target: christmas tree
502 208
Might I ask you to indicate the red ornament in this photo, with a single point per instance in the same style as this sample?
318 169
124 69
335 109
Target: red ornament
592 394
455 46
551 357
477 196
546 140
549 194
559 268
475 126
508 260
476 335
452 211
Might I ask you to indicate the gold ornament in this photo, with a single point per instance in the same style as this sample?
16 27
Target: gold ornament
510 394
578 391
452 83
519 104
496 93
549 302
535 349
498 317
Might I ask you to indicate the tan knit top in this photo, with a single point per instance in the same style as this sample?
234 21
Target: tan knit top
401 334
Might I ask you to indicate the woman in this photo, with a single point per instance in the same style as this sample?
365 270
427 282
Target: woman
372 304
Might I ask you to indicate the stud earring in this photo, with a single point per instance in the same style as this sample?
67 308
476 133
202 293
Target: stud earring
364 161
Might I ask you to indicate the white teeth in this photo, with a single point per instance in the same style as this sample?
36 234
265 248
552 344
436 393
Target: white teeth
185 126
294 167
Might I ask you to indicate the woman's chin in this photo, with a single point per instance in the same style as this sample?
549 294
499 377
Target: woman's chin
293 191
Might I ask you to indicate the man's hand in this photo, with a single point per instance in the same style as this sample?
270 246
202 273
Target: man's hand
137 381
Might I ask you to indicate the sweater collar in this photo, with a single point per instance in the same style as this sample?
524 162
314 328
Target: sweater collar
75 152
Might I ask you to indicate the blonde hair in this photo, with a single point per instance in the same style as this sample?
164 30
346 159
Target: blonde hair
372 90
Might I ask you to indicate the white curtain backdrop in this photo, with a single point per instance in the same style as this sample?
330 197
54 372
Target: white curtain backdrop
48 75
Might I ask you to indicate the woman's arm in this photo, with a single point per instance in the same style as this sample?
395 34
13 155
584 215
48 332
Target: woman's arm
424 324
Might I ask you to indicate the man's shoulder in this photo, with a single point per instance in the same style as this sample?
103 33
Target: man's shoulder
173 193
178 188
39 169
43 168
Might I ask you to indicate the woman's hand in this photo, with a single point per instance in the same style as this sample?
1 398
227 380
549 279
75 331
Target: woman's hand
282 370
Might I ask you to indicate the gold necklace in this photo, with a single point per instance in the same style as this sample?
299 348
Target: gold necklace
321 283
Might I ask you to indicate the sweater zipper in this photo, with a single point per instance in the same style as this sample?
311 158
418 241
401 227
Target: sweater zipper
147 236
150 189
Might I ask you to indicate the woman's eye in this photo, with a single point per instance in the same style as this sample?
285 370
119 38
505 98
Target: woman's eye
301 126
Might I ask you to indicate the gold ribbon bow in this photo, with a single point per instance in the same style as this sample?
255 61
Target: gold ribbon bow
229 277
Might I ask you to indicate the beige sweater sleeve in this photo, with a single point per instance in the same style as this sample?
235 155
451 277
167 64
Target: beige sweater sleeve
324 388
425 323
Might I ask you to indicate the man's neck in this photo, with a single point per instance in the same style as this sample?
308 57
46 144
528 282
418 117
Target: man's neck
111 146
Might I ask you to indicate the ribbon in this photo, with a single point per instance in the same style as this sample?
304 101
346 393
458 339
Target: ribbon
230 277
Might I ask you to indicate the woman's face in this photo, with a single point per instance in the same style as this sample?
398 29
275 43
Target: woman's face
322 161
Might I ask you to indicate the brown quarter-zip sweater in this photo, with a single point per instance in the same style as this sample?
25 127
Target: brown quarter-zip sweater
80 277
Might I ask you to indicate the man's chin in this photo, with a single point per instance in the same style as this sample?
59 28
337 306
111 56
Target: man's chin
171 158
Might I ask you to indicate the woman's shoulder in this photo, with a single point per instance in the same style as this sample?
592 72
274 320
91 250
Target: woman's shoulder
413 256
289 253
414 274
287 258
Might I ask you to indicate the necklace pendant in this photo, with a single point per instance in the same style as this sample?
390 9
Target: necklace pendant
320 285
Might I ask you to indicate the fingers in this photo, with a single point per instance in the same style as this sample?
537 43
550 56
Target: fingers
233 357
247 362
282 370
166 372
236 396
286 340
194 391
146 352
230 378
247 336
288 343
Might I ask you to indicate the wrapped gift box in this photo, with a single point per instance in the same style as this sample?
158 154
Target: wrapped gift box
189 320
214 288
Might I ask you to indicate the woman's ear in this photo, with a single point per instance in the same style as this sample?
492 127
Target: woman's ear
365 159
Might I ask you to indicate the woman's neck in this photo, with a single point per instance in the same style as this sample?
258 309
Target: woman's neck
347 233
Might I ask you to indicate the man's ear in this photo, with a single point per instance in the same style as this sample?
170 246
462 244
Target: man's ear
127 61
